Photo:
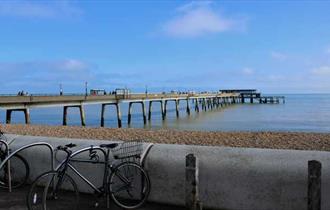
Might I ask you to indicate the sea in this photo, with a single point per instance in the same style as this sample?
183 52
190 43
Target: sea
299 113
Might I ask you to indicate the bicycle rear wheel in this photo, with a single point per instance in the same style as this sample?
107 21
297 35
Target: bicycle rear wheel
19 171
52 191
129 185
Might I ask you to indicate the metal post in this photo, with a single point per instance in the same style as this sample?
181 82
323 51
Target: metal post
191 183
314 185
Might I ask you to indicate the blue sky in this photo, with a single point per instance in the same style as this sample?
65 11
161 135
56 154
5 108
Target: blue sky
274 46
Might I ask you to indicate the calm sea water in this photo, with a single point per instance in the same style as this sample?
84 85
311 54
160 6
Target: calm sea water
301 112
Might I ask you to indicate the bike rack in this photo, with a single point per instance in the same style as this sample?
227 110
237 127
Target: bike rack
50 147
52 155
9 174
145 154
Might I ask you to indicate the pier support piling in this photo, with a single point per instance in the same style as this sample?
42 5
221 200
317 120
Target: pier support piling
165 108
149 112
26 112
196 105
177 107
65 114
117 110
161 107
144 112
118 115
204 104
129 116
130 111
188 106
209 104
176 101
82 114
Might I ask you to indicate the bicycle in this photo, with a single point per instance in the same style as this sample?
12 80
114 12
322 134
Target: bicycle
126 183
16 172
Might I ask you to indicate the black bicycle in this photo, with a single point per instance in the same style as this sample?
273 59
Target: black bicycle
16 171
127 183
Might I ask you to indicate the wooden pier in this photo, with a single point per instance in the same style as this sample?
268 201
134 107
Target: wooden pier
201 102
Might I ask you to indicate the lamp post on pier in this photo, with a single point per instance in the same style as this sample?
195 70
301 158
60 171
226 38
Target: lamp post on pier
61 89
86 88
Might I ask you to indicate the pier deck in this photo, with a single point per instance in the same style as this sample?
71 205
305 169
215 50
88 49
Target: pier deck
12 103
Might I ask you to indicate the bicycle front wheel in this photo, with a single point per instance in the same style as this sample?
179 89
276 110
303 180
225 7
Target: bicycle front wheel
53 191
129 185
19 172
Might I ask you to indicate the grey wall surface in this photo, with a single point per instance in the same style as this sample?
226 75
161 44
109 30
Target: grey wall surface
230 178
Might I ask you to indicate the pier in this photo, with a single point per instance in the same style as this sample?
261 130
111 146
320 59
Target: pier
200 101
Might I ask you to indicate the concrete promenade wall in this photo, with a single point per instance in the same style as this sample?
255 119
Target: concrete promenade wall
230 178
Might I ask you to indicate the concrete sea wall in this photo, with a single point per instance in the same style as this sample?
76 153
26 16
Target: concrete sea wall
230 178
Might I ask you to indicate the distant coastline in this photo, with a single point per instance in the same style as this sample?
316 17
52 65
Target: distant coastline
271 140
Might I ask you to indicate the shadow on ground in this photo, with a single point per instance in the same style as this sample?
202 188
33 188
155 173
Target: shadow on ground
16 200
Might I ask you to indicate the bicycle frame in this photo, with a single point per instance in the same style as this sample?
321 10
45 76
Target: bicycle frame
106 164
71 157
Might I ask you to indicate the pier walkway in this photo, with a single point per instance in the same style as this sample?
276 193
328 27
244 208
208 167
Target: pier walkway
197 102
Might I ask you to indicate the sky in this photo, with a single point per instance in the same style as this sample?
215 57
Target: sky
274 46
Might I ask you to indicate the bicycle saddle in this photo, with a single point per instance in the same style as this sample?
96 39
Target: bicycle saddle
65 147
109 146
71 145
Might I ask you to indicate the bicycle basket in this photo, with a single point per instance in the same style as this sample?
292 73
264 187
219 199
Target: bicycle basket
128 149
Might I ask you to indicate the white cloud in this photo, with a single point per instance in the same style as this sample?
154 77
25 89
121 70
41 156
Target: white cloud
40 76
274 78
248 71
38 9
68 69
194 4
327 51
199 18
321 71
278 56
73 65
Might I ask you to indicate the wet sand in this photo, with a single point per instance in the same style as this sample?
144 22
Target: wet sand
272 140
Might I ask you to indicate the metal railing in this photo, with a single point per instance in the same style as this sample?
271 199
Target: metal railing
11 154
